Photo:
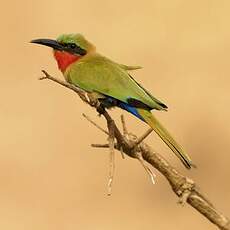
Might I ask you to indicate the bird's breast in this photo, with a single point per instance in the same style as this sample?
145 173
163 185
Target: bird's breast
64 59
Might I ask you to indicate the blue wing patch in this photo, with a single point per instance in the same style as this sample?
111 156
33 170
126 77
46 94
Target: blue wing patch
130 109
110 102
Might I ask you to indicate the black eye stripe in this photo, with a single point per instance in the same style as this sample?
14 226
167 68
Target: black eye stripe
78 50
74 48
72 45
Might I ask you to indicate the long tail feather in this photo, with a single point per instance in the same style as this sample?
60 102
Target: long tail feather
165 136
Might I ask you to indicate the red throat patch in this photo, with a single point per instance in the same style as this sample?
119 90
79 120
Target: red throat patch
64 59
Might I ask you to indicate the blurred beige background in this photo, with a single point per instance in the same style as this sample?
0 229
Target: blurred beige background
50 178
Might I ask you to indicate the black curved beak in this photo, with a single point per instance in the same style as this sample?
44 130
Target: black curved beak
48 42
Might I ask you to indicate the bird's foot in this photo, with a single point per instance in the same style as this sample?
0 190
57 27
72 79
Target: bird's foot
100 110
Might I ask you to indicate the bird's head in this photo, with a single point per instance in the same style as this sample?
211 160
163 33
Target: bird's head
68 48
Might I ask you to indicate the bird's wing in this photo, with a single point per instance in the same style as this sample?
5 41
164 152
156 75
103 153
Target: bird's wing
99 74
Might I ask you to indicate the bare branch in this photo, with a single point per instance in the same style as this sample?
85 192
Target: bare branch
140 139
82 94
147 169
100 145
111 157
95 124
125 131
122 152
184 187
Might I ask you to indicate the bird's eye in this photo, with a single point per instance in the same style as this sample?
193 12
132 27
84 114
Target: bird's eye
72 45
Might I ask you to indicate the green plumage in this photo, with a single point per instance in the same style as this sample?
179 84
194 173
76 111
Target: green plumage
96 73
107 80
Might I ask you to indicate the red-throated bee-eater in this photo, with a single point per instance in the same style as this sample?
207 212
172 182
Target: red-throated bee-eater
109 82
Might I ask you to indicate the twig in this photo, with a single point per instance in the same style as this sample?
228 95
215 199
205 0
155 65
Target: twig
184 187
95 124
147 169
82 94
111 156
140 139
125 130
122 152
100 145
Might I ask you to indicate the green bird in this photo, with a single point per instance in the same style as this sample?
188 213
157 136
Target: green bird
109 82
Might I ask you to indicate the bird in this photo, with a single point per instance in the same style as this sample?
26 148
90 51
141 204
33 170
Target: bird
110 83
